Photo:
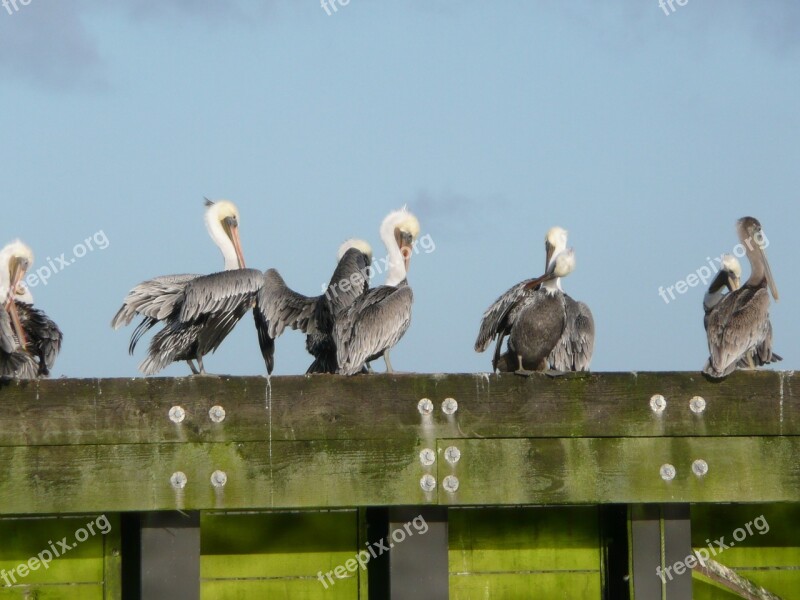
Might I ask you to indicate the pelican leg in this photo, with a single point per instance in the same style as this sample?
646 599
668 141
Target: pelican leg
522 370
192 367
388 362
200 364
751 364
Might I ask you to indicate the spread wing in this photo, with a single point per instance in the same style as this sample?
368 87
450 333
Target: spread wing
500 315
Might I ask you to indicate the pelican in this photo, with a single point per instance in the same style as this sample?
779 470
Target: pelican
574 349
728 280
29 340
279 307
738 327
198 311
371 326
541 319
499 318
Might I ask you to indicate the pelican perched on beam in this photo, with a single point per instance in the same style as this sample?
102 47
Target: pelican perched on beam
29 340
738 327
574 350
541 319
378 319
198 311
499 318
728 280
279 307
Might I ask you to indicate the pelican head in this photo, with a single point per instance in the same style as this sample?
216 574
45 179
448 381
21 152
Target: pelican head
402 228
222 222
754 241
554 242
15 260
360 245
562 265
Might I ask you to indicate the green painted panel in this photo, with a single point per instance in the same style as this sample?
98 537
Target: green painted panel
293 589
47 479
507 586
624 470
25 538
86 591
276 544
134 411
523 539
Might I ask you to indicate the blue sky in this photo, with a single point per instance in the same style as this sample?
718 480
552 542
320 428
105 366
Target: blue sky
645 135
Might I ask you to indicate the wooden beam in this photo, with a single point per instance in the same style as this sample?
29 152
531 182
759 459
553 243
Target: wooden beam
135 411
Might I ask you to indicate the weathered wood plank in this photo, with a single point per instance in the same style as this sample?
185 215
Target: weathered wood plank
136 477
625 470
133 411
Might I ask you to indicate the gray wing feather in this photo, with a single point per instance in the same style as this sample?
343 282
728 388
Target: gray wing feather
281 307
736 326
220 293
373 324
574 349
155 299
500 315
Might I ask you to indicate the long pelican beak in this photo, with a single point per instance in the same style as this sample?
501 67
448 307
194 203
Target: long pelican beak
768 272
406 245
232 227
548 253
17 269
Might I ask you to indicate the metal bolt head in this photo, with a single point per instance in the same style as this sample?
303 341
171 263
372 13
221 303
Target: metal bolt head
449 406
699 467
697 404
216 414
427 483
450 483
427 457
219 479
177 414
667 472
425 406
452 454
178 480
658 403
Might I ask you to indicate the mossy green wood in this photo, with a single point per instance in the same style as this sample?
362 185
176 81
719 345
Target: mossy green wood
624 470
524 552
49 479
277 554
89 569
135 411
770 559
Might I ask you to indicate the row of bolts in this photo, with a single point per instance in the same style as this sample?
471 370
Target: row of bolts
452 454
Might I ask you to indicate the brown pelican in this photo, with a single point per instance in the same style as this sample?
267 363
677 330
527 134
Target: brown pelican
29 340
198 311
728 280
499 318
378 319
541 319
738 327
574 349
279 307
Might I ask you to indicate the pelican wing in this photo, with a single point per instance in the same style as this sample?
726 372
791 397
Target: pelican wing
14 362
154 299
374 323
500 315
574 349
737 325
349 281
220 293
44 336
281 307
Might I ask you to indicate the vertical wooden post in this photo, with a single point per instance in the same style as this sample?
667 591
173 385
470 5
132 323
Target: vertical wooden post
418 563
170 556
677 547
645 548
